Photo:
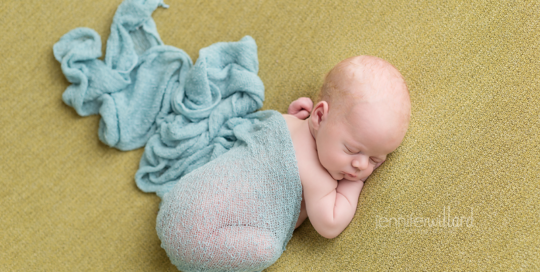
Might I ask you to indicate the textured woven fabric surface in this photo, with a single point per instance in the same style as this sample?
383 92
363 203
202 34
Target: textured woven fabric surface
238 211
461 193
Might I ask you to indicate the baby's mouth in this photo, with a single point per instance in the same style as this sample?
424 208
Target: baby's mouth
349 175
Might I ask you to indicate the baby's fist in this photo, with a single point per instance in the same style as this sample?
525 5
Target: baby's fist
301 108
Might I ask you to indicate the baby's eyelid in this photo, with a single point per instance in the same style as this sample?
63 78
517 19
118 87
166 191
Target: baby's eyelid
348 150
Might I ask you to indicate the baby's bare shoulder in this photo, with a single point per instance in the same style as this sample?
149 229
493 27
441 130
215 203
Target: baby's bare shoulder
309 167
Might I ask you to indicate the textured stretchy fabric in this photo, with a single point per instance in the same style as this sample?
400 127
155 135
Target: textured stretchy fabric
237 190
237 212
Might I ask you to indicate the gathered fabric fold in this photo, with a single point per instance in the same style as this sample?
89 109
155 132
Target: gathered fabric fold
150 94
227 175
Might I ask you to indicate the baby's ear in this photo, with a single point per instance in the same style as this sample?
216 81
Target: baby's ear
319 114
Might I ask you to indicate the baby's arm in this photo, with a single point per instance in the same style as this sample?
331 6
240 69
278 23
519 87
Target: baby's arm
330 204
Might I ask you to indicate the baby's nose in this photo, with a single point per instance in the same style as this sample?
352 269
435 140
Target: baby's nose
360 163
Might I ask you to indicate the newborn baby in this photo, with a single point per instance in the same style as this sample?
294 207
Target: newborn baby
362 117
234 182
238 211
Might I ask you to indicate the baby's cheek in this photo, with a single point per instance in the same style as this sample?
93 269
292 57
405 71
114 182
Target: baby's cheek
325 159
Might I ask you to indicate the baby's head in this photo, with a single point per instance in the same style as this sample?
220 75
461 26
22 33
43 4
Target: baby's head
362 115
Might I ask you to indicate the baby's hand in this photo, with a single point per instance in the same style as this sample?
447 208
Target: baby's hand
301 108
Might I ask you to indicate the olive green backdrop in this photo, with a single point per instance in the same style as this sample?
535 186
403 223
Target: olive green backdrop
469 164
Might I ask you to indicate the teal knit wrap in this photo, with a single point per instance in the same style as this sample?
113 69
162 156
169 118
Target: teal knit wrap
237 190
237 212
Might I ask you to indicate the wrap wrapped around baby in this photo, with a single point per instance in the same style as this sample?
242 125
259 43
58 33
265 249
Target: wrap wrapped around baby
227 175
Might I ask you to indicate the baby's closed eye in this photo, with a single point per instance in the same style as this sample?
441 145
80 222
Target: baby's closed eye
351 151
354 152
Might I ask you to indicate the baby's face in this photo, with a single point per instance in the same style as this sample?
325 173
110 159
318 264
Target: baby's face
367 120
350 145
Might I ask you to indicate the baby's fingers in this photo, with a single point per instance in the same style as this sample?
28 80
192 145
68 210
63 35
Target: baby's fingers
300 107
305 103
302 114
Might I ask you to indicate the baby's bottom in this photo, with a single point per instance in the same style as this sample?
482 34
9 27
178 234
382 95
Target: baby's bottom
216 234
251 243
232 248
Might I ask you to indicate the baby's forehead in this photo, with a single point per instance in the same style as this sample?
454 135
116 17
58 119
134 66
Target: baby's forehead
373 71
370 112
364 78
